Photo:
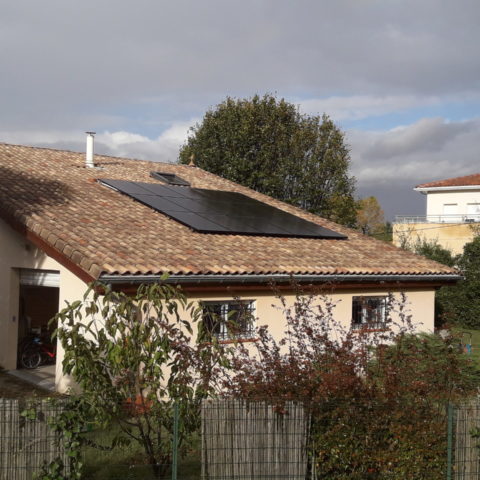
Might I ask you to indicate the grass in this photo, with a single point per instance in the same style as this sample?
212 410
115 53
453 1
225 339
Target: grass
129 462
470 336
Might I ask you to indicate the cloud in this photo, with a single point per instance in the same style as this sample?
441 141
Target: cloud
357 107
389 164
164 148
61 60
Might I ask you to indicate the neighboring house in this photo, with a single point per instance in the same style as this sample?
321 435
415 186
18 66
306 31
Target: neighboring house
61 228
453 214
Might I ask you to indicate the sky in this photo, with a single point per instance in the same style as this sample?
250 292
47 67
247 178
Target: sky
401 78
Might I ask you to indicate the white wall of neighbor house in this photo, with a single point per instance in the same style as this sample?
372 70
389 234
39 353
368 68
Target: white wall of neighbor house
456 202
18 253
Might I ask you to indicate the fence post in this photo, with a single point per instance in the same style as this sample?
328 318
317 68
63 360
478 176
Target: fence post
175 441
449 441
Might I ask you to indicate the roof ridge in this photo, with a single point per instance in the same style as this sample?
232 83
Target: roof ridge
61 150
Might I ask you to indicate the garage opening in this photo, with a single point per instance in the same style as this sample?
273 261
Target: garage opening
38 303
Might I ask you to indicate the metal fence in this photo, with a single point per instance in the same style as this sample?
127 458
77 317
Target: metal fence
241 440
25 444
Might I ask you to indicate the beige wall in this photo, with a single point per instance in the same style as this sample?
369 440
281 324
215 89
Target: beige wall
449 235
436 200
268 309
15 253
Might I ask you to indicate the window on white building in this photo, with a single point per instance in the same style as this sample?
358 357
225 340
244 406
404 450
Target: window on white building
450 213
369 312
473 212
229 320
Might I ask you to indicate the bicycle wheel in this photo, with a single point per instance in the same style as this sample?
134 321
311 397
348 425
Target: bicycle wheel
31 358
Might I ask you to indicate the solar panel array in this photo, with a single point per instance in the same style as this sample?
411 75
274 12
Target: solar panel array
216 211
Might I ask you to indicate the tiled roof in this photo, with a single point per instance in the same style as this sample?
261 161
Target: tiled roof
454 182
53 195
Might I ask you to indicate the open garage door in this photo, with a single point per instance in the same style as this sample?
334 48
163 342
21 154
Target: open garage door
38 303
39 278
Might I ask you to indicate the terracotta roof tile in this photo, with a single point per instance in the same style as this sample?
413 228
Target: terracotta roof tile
467 180
103 231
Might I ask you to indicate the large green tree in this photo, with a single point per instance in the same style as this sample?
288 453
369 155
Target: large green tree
268 145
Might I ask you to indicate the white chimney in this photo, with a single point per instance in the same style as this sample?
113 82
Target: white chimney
89 152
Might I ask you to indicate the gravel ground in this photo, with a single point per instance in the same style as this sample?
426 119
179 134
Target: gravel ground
12 387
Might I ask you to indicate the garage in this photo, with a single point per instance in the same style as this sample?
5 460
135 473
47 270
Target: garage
38 303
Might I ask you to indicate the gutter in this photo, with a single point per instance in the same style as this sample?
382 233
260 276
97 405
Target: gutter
425 190
276 278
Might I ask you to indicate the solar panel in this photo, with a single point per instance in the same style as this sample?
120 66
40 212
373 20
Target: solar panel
169 178
216 211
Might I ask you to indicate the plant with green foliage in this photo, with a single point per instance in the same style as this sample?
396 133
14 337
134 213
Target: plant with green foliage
133 357
461 303
266 144
434 251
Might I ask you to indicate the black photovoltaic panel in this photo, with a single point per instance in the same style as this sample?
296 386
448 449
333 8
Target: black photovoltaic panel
169 178
215 211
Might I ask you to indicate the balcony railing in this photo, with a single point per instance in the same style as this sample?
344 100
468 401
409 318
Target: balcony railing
458 218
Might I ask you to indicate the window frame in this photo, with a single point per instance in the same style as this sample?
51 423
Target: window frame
362 313
225 333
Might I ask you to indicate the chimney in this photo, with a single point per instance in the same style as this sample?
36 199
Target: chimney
89 152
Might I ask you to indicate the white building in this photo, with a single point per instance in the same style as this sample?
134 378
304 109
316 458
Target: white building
452 214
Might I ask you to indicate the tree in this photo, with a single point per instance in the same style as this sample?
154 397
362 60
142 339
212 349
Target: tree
461 303
434 251
268 145
370 216
133 358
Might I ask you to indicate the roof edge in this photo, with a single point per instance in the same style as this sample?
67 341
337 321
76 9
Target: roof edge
446 188
279 278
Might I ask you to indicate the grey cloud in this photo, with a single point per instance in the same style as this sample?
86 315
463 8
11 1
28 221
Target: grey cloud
389 164
61 57
428 135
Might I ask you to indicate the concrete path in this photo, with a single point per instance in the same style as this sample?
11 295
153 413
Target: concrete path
43 377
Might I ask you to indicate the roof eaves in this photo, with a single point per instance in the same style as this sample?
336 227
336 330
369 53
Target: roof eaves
280 278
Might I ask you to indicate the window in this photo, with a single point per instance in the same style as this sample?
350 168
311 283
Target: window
170 178
369 312
228 320
473 212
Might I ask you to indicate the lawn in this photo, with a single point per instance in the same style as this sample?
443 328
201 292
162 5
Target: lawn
470 337
128 462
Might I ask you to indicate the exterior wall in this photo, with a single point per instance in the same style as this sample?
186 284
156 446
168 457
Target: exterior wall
436 200
15 253
449 235
268 311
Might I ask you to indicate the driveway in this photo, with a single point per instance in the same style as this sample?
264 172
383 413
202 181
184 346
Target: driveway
13 387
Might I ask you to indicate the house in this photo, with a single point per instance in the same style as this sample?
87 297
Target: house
452 218
65 222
